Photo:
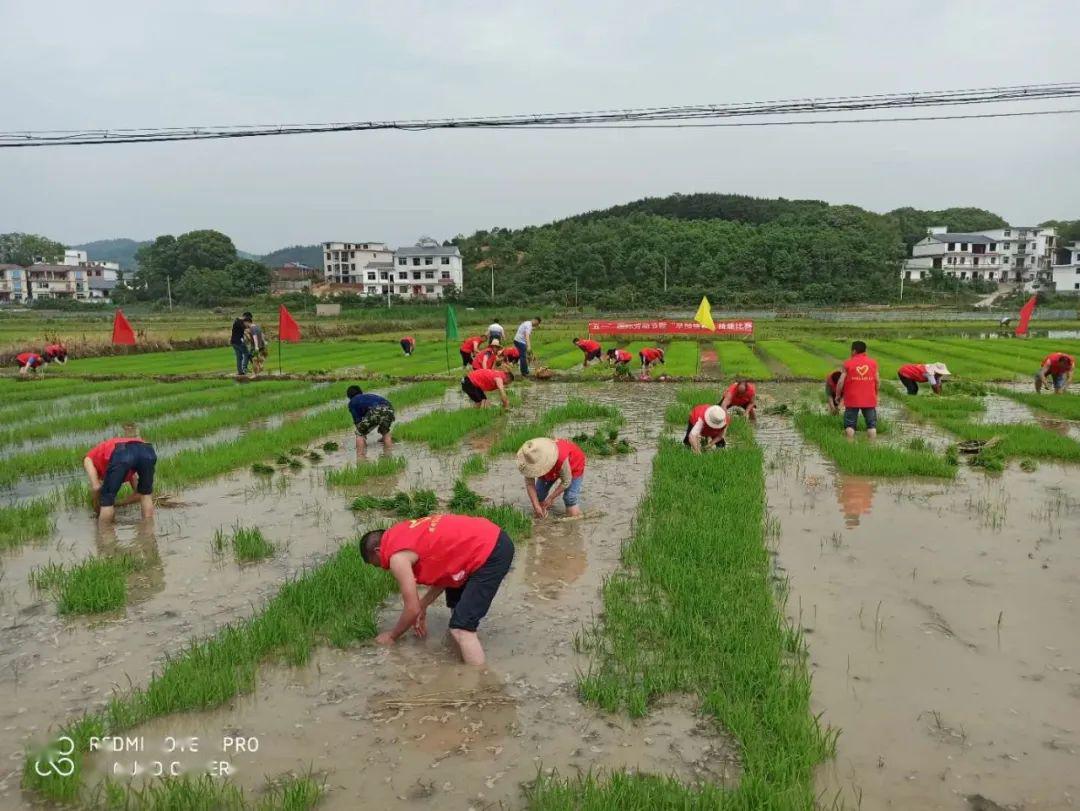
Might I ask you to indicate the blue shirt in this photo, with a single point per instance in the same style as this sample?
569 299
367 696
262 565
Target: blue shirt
361 404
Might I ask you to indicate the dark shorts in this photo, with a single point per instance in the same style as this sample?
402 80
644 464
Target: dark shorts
851 417
594 355
407 347
127 457
1058 380
476 394
470 603
912 386
466 357
381 417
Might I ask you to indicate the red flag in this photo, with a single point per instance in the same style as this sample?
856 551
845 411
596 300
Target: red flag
122 333
287 328
1025 316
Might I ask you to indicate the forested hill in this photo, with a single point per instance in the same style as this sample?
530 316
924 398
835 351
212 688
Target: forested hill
738 250
310 255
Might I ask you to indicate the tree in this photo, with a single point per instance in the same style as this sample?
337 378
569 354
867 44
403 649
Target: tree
204 249
249 277
25 249
168 259
205 286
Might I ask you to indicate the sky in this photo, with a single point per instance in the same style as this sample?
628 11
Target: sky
71 65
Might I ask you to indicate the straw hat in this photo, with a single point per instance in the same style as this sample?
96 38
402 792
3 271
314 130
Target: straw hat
938 369
715 417
494 342
537 456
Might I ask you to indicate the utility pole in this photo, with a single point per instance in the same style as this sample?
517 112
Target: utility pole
168 287
575 292
665 274
492 281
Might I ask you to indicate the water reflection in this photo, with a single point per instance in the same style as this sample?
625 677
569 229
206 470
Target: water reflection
855 495
140 541
555 556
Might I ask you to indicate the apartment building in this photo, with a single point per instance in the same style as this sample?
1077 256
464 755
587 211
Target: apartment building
12 283
1017 255
351 263
1066 272
425 270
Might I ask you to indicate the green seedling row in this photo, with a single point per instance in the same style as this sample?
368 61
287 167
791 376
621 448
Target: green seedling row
800 362
29 521
475 465
362 471
285 793
966 362
737 359
1017 441
92 586
248 544
1066 405
573 410
681 358
444 429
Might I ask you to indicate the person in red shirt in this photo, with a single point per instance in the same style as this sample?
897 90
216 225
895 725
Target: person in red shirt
621 360
487 358
912 374
1059 367
56 353
30 362
468 348
114 462
650 355
465 557
708 422
477 383
591 348
552 468
858 387
408 344
510 354
741 394
832 399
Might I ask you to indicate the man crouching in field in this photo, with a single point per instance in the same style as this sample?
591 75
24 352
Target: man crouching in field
114 462
463 556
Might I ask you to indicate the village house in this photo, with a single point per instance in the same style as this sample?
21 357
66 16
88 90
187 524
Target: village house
1022 256
425 270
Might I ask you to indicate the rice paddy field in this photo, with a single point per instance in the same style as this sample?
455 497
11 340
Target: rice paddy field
795 621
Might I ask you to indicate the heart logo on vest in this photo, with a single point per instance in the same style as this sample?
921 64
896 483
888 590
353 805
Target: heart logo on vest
862 370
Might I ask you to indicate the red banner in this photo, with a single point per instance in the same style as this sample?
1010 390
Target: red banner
122 333
1025 316
728 327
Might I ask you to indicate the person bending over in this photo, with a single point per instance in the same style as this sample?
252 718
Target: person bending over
1059 368
706 428
370 412
552 468
114 462
741 394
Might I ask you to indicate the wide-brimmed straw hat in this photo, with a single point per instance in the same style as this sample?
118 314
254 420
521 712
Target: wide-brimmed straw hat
938 369
715 417
537 456
494 342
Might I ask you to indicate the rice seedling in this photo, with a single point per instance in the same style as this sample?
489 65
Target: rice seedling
24 522
969 360
296 451
313 456
445 429
690 614
991 458
799 361
295 464
262 469
932 406
603 442
737 359
681 359
335 602
510 518
1029 465
573 410
865 458
205 792
415 504
474 465
1014 440
282 459
1060 405
331 446
362 471
92 586
247 543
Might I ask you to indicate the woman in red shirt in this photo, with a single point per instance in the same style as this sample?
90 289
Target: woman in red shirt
477 383
114 462
912 374
487 358
30 362
832 399
465 557
591 348
469 348
708 422
650 355
1059 367
408 344
545 462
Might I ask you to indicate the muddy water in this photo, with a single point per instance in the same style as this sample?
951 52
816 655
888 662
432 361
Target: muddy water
941 621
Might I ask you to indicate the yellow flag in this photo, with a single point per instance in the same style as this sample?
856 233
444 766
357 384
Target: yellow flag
704 315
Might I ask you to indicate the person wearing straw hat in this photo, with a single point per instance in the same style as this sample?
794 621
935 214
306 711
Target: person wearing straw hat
552 468
487 358
912 374
707 422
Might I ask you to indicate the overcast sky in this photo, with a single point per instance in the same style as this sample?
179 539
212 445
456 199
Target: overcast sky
122 64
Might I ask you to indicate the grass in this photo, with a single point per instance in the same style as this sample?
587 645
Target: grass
681 359
1065 405
800 362
187 793
416 504
335 602
936 407
330 446
689 614
362 471
865 458
468 502
474 465
247 543
1021 440
445 429
737 359
573 410
24 522
92 586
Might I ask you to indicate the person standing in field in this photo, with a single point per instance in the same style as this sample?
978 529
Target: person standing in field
114 462
30 362
370 412
832 399
552 468
523 343
256 347
487 358
912 374
858 387
236 341
1059 367
477 383
408 344
592 349
495 332
706 428
55 353
464 557
741 394
469 347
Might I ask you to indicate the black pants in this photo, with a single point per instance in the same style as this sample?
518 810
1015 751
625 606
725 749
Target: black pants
912 386
470 602
476 394
466 358
406 347
126 458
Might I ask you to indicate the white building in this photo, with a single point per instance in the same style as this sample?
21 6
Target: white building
357 263
1066 276
104 274
1018 255
421 271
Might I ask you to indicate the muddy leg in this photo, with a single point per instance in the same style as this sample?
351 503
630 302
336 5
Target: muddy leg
147 505
361 446
472 653
387 442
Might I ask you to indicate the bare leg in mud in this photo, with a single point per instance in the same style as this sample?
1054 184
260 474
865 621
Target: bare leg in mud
472 652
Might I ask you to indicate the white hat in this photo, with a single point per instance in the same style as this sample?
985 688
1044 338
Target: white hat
494 342
537 456
938 369
715 417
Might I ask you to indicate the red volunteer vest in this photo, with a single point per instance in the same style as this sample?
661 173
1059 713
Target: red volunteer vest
567 450
449 547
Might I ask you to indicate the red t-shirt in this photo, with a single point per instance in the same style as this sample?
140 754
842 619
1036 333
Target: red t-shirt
567 450
697 413
101 453
914 371
449 547
651 354
472 344
31 359
55 350
409 340
587 346
832 380
484 379
622 356
485 359
511 353
744 399
1059 363
860 385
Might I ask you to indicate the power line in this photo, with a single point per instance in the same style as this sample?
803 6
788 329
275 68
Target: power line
636 118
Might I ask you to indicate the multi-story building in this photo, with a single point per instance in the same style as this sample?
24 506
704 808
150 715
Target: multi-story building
1021 255
57 281
292 277
12 283
425 270
352 263
1066 271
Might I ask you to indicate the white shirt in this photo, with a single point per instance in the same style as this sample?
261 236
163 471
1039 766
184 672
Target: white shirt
496 328
524 330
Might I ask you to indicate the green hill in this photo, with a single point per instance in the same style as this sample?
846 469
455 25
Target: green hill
113 250
310 255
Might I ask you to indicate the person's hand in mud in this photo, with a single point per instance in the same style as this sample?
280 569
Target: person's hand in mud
384 639
539 511
420 626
